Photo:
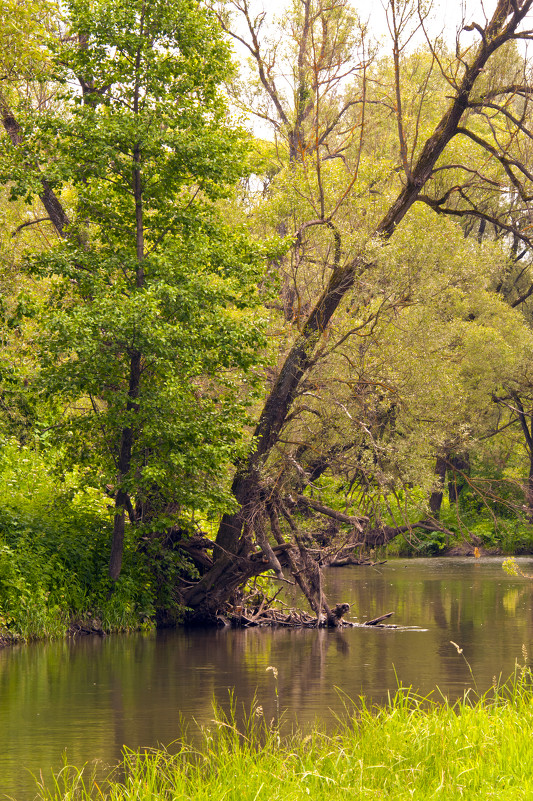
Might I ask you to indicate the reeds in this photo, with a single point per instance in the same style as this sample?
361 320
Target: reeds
414 747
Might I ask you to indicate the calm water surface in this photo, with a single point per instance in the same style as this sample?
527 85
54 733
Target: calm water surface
90 697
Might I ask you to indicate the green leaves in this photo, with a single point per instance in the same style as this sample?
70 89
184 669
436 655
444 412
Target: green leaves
152 322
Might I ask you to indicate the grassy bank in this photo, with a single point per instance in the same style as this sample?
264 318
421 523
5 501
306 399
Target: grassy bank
410 749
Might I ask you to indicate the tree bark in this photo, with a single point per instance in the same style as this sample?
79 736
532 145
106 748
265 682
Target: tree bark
459 464
127 439
527 430
122 498
435 501
529 491
53 206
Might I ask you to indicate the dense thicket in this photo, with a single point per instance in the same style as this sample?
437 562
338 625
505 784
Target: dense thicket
255 353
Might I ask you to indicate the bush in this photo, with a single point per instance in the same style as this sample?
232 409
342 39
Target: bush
54 550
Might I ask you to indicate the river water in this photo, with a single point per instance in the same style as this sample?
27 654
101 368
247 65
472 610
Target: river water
87 698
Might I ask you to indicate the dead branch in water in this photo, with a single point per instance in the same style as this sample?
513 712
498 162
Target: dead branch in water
243 616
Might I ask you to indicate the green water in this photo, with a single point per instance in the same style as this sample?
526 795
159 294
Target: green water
89 697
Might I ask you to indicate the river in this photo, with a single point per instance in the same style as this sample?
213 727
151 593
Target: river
89 697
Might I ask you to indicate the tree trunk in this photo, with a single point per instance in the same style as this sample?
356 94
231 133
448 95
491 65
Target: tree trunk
122 499
435 500
231 546
460 466
529 491
117 543
53 207
527 430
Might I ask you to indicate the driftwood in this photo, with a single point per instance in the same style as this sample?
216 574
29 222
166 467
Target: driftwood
81 628
377 620
243 616
345 561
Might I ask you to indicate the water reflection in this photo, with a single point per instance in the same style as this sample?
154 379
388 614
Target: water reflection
92 696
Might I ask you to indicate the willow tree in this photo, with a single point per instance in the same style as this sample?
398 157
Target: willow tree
148 334
325 126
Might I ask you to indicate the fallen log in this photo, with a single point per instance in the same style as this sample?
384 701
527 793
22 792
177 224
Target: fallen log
352 560
345 561
243 617
240 616
377 620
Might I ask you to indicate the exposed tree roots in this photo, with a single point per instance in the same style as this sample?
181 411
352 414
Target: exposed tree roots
258 544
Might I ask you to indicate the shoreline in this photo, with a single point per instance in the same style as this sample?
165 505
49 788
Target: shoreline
92 627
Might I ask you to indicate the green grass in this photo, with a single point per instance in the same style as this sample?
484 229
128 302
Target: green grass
412 748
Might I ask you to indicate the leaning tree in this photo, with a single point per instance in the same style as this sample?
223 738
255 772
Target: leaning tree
319 124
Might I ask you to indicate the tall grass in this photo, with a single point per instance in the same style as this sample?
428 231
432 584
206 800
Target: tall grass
411 748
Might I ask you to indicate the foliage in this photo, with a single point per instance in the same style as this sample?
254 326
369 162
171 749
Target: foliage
147 342
187 317
390 333
512 569
424 339
53 552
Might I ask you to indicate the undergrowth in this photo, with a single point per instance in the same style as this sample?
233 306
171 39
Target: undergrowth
54 548
471 524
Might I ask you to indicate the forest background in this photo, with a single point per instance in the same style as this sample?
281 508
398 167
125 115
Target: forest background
230 359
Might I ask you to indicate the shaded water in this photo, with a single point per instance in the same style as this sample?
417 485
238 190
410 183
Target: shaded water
90 697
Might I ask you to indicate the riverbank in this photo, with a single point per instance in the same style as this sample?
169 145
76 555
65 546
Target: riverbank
50 622
54 555
411 748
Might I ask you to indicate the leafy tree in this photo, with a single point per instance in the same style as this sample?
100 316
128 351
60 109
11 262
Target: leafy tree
387 331
148 328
